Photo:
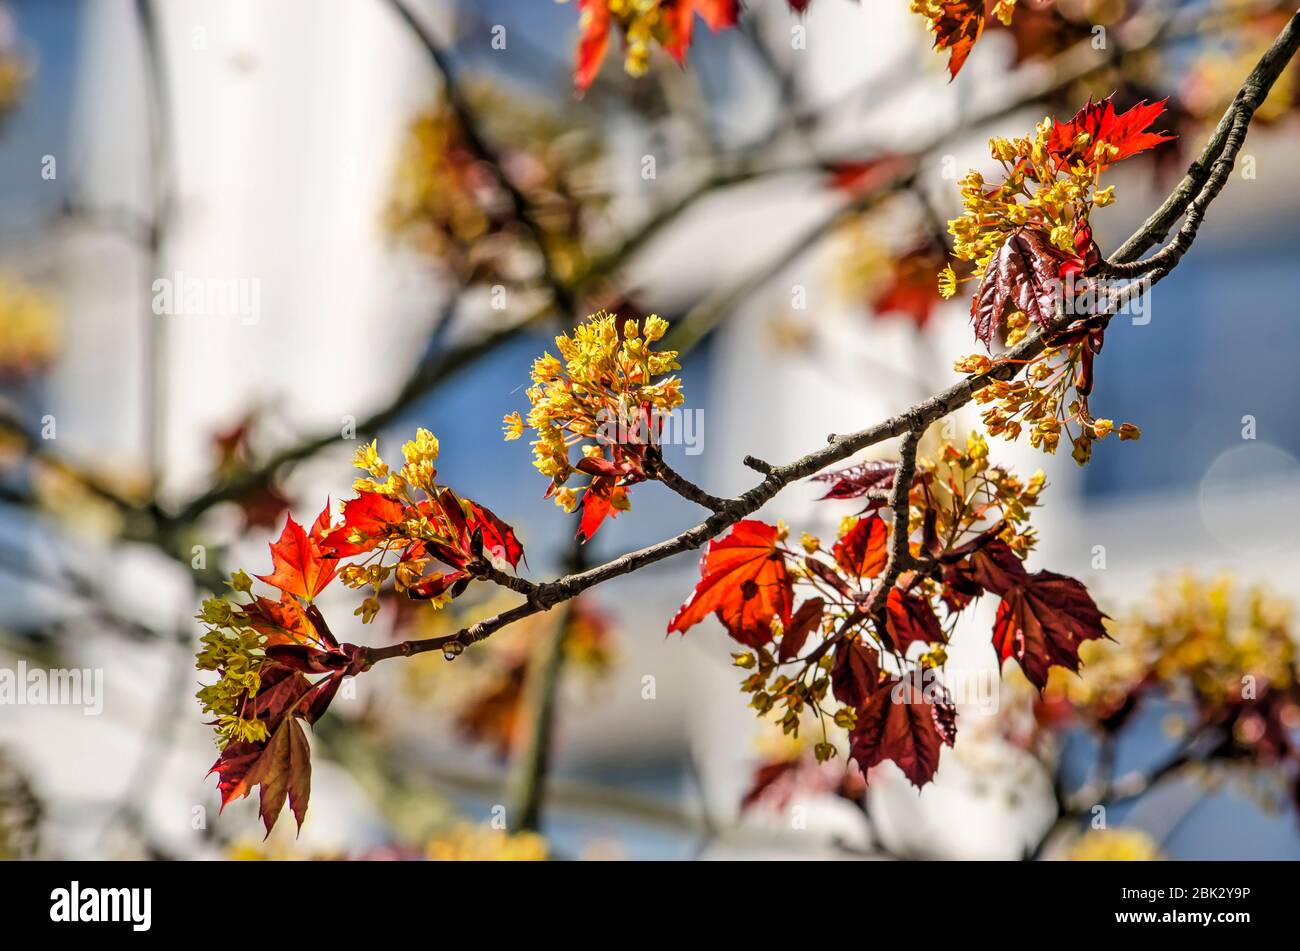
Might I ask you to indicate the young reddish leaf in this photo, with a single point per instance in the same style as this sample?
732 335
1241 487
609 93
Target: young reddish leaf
282 622
959 590
498 538
743 579
957 29
1024 272
804 622
432 587
593 44
856 481
865 549
603 499
1125 131
897 723
909 618
945 717
855 674
997 568
300 567
283 770
910 289
861 177
718 14
366 517
1041 622
281 765
768 777
281 689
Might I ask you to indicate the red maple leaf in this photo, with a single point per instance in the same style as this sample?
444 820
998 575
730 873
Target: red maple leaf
280 765
676 26
743 579
1041 622
995 567
598 505
1126 131
593 44
957 30
855 673
909 618
864 550
859 480
1025 272
804 622
861 176
299 565
367 517
911 289
898 723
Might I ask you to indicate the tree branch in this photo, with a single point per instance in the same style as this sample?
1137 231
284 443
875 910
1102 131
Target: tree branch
910 423
658 469
900 555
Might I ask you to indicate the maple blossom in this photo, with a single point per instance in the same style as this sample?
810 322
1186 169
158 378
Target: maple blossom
1031 243
264 649
852 641
603 396
668 23
957 25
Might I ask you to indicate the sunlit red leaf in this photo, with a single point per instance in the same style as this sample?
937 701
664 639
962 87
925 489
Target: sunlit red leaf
956 31
864 550
743 579
911 288
281 622
593 44
598 503
498 538
366 517
1126 131
299 566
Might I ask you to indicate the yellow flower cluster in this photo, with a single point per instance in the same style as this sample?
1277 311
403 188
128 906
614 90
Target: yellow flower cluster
1041 400
1034 193
419 472
29 330
481 843
1206 637
234 649
643 23
967 495
606 378
1114 845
